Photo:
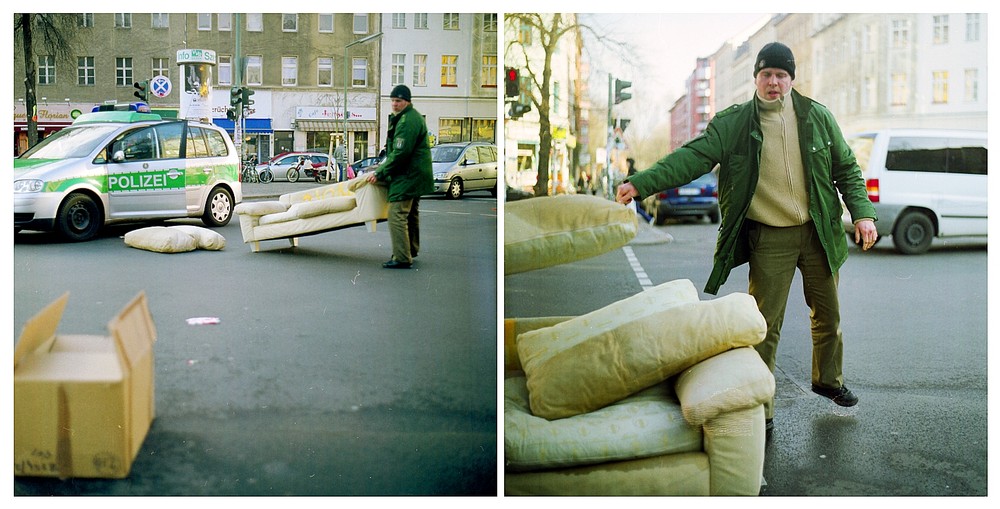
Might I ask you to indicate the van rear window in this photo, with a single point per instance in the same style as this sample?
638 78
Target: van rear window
938 155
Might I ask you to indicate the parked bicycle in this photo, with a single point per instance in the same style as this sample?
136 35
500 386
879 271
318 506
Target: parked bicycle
249 173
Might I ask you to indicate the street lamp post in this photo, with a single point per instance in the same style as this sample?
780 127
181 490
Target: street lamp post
347 81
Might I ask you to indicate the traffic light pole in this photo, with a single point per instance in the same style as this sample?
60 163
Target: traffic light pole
608 183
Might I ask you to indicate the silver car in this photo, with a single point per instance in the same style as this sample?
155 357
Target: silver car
285 167
463 167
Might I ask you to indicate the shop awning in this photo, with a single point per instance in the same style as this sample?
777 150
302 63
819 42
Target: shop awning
251 125
334 126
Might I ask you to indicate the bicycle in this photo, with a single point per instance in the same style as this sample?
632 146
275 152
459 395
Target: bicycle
250 175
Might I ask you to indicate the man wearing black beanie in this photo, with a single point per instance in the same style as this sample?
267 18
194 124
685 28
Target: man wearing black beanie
782 161
408 172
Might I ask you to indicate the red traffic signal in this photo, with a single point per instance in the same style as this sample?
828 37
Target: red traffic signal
512 82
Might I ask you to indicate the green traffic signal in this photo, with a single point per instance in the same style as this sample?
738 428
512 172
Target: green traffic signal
247 101
235 96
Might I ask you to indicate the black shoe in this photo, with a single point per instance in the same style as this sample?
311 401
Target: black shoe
768 428
393 264
841 395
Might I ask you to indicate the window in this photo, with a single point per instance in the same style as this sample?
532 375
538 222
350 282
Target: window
123 71
900 33
398 20
254 70
939 84
225 21
398 68
46 70
972 85
85 71
137 145
160 20
123 20
216 143
196 144
161 67
255 22
900 89
169 138
972 27
484 129
489 71
420 70
324 72
289 22
556 96
326 23
360 23
289 71
450 21
490 22
449 70
420 21
225 69
360 145
359 72
941 29
85 20
938 155
204 21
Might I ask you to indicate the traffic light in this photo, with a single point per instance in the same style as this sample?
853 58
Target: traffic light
512 83
247 101
232 115
518 109
623 123
235 96
142 90
621 85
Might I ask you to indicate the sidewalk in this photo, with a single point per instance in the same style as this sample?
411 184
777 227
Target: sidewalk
259 192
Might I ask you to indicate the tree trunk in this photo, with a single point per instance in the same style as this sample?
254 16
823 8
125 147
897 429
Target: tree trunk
30 103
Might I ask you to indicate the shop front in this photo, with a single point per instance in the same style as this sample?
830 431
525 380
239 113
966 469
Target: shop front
257 125
49 117
324 128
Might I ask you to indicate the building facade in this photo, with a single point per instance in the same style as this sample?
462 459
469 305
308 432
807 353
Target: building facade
449 61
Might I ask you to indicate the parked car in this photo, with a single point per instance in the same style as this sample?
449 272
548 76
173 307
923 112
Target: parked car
924 183
700 198
365 165
464 167
285 166
114 166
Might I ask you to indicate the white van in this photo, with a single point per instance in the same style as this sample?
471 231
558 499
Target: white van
924 183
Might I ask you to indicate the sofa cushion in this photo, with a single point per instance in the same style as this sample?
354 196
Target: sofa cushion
260 208
733 380
645 424
205 238
590 361
161 239
333 205
551 230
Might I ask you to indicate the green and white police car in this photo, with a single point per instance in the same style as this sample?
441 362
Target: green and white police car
124 166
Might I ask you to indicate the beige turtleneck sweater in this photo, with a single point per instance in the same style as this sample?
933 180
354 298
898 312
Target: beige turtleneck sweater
782 196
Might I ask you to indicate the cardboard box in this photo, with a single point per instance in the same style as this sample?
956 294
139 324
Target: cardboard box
83 403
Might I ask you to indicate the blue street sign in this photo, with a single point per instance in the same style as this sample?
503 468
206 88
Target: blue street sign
160 86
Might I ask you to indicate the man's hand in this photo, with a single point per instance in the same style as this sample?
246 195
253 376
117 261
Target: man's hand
371 178
865 234
625 194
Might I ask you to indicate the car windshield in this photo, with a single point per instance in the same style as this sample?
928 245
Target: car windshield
71 143
443 154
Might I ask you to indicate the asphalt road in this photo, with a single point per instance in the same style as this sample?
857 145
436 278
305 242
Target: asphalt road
326 375
915 336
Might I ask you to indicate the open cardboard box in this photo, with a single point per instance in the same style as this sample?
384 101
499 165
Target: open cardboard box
83 403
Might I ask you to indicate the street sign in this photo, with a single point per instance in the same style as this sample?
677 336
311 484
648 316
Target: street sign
160 86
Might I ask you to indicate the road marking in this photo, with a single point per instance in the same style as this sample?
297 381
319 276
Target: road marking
640 273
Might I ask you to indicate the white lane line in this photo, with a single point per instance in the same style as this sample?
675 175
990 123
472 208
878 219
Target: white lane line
640 273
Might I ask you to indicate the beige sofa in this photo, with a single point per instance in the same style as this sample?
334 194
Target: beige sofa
322 209
658 394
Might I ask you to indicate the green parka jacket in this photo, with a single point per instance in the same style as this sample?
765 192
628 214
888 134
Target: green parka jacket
407 167
733 140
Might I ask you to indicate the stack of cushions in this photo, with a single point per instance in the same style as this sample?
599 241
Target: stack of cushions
588 362
175 239
551 230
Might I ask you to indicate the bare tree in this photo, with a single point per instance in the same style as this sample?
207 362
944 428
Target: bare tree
48 32
549 29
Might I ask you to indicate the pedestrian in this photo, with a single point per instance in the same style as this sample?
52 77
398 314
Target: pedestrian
783 161
639 208
407 171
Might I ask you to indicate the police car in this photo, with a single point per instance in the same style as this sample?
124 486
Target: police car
122 165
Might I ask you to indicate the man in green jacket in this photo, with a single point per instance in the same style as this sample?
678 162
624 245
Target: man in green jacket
407 170
782 160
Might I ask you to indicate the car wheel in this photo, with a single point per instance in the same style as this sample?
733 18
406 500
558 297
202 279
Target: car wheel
79 218
292 175
266 176
493 191
454 189
218 208
661 215
714 216
913 233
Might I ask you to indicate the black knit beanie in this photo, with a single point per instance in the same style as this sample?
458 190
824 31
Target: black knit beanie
401 92
777 55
